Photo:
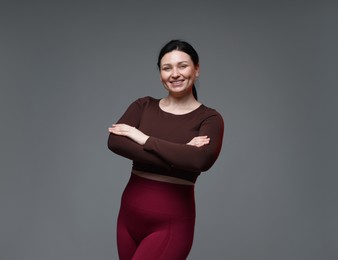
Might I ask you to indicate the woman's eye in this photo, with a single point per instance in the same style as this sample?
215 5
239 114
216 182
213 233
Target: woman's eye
166 69
183 66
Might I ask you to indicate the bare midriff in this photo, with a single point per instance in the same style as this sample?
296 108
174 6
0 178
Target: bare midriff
163 178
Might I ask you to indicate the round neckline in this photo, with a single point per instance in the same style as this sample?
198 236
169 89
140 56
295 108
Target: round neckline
185 114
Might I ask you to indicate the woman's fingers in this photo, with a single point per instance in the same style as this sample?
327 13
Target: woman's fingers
119 129
199 141
130 132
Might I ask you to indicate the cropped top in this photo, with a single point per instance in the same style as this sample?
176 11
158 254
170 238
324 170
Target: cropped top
166 151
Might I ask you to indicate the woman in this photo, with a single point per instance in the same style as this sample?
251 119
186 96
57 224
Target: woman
170 141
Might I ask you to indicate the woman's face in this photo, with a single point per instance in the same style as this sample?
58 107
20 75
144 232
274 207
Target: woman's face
178 73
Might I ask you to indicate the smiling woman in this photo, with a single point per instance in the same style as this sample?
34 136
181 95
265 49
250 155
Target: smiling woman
183 48
170 141
178 73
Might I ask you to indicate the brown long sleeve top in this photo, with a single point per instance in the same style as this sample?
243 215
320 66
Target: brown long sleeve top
166 151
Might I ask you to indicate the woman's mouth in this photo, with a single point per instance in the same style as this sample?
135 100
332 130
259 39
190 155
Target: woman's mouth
176 82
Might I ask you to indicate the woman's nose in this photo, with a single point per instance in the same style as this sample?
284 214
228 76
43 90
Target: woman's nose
175 73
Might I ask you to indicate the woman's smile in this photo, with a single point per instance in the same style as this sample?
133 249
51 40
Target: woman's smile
177 83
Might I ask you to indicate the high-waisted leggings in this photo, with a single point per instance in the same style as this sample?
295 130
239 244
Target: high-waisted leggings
156 220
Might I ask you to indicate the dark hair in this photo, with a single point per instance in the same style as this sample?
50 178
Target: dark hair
180 46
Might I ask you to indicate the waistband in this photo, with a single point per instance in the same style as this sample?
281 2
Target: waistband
160 185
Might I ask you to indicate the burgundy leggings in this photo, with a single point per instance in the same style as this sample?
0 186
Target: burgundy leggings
156 220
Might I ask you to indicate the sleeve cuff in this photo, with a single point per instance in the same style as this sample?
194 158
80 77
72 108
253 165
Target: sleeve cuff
148 145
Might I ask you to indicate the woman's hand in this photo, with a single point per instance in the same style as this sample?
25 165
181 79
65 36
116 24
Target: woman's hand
199 141
130 132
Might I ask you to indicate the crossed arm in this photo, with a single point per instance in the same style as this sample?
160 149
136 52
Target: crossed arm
197 155
140 138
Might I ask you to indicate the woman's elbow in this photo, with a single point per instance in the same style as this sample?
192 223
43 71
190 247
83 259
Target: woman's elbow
206 162
111 143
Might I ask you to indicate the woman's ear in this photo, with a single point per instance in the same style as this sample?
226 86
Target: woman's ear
197 67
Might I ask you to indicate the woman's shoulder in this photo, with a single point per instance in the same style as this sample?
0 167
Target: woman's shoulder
145 102
210 111
146 99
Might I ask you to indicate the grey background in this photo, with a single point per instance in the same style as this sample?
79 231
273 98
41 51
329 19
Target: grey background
70 69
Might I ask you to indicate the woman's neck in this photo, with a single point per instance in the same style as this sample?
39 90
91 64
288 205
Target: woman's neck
179 105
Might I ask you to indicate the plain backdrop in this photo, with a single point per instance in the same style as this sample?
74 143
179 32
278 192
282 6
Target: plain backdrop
69 69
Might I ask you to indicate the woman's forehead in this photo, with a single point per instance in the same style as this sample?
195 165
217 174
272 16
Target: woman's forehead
175 57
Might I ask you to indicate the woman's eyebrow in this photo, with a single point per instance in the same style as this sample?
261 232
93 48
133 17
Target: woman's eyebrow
169 64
